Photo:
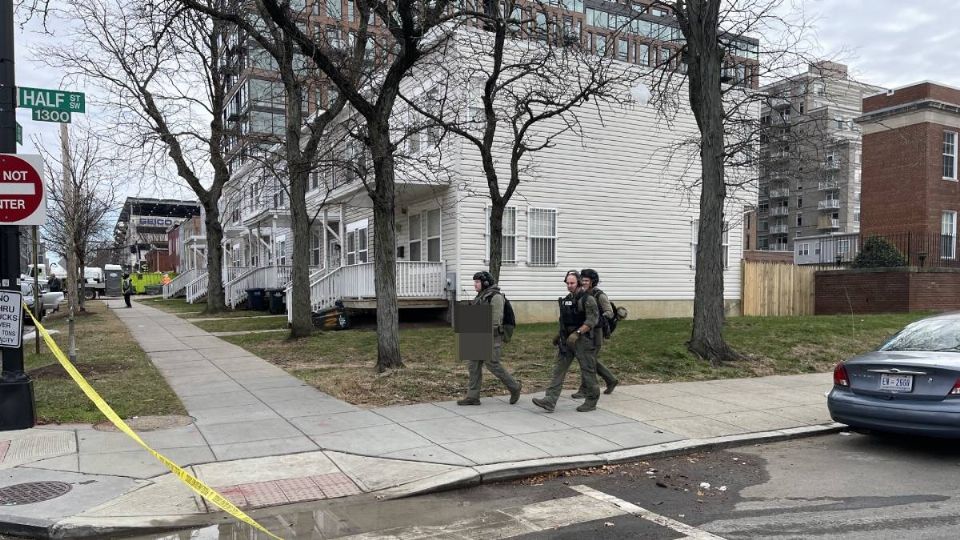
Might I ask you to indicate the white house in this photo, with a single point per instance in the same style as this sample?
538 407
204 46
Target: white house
617 197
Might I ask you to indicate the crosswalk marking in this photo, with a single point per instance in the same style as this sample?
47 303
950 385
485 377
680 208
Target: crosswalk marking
692 533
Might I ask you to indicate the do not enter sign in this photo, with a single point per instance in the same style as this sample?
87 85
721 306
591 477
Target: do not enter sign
22 199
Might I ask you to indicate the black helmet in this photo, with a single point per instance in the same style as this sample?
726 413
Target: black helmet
486 279
592 274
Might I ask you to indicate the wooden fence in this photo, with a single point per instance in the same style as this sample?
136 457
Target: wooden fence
771 289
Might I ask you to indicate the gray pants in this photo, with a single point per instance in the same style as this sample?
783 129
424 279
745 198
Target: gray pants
585 353
604 373
476 372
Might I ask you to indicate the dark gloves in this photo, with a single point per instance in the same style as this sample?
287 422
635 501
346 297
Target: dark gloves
556 340
572 339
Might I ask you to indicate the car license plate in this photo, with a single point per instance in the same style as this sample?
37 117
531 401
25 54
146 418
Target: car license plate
896 383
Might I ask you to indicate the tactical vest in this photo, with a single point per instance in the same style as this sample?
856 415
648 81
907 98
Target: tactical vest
571 314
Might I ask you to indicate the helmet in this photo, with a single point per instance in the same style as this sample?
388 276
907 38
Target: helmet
486 279
592 274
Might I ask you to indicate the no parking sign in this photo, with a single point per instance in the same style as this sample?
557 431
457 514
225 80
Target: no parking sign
11 319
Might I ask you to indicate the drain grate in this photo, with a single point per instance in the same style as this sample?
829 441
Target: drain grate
32 492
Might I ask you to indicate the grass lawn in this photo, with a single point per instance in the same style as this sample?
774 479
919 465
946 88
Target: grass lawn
180 307
642 351
110 360
247 323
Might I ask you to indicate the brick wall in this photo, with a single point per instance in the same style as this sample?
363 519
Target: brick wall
886 290
910 94
894 166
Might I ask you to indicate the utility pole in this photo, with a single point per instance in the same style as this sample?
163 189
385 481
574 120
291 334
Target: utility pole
17 409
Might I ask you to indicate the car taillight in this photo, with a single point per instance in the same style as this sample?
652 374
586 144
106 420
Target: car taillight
955 391
840 376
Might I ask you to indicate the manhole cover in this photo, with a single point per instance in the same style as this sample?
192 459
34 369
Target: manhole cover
32 492
148 423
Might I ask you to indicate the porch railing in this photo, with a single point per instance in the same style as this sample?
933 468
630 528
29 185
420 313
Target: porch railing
262 277
179 283
197 288
414 280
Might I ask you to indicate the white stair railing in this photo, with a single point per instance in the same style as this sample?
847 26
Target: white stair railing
235 290
197 288
179 283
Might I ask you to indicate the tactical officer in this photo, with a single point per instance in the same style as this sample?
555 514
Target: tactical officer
578 317
489 293
589 279
126 287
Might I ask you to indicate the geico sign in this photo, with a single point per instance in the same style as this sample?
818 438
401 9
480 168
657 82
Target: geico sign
156 221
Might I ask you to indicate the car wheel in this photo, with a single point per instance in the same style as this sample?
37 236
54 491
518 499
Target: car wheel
89 294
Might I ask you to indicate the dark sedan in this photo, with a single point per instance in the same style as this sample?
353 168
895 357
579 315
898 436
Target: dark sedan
910 385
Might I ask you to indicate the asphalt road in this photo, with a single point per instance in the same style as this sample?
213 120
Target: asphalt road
847 486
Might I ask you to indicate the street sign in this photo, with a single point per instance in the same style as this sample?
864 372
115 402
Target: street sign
19 133
11 319
55 100
51 115
22 198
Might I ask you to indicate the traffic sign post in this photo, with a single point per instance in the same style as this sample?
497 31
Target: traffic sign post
17 408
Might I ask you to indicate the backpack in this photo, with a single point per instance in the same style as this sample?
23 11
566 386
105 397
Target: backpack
509 320
609 325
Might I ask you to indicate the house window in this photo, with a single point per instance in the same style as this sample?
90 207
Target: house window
799 220
433 235
665 56
601 45
623 49
948 235
334 9
542 236
316 239
843 246
724 243
416 236
278 199
508 243
949 155
803 249
357 242
643 54
281 251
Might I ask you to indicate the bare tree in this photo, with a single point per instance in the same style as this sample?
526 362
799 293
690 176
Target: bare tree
413 29
81 194
164 78
510 92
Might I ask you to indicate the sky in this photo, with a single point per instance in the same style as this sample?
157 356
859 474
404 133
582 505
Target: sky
889 43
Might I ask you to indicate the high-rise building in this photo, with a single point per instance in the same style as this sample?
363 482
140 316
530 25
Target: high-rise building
811 154
632 31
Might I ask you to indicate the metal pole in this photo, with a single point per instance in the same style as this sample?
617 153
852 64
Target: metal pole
17 409
36 280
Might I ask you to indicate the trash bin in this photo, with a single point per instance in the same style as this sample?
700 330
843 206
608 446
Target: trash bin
277 299
255 299
334 318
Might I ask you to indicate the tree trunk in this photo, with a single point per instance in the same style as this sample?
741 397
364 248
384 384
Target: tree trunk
215 293
82 289
384 245
302 322
496 239
699 22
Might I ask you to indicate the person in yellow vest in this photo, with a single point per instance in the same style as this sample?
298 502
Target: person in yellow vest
165 280
126 287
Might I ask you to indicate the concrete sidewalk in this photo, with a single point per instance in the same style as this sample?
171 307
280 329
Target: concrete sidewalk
263 438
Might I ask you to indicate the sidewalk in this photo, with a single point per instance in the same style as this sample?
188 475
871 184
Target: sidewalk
263 438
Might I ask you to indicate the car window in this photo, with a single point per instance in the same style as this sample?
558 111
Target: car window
927 335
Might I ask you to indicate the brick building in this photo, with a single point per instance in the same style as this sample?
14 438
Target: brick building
909 183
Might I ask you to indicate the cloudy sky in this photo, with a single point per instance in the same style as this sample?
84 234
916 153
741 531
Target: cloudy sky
885 42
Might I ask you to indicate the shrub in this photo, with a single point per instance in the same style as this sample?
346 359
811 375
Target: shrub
878 252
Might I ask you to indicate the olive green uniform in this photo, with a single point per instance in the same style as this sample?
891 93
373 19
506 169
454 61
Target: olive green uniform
493 296
584 350
606 310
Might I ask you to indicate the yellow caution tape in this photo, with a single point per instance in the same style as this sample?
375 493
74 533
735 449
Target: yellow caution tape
195 484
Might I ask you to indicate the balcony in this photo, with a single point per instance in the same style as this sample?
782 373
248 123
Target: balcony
825 185
826 223
265 205
829 204
779 229
779 211
782 193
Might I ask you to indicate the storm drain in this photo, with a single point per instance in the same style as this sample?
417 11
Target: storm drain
32 492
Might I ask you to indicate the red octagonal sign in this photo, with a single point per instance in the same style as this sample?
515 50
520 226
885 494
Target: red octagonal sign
21 190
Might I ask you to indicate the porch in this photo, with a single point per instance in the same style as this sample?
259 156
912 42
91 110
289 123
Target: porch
419 285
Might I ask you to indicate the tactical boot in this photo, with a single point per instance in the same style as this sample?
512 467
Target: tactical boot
578 395
468 401
543 404
611 386
515 395
587 406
